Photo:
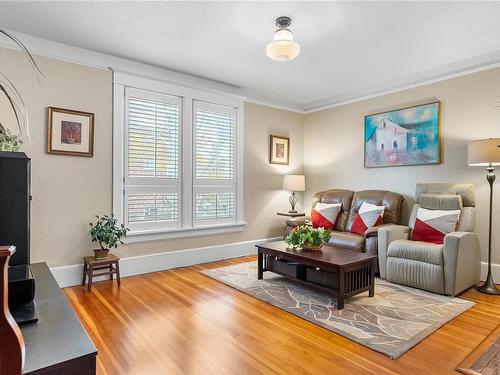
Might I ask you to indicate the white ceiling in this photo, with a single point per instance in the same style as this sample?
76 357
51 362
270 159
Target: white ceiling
348 49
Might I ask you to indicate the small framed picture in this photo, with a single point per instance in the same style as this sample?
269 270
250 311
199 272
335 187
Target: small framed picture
279 150
70 132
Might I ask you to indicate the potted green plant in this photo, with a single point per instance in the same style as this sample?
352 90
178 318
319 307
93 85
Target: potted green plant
107 233
306 237
8 141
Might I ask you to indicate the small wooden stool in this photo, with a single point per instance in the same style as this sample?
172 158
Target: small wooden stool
91 264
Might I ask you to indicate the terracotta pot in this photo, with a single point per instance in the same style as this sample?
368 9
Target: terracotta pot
101 254
308 246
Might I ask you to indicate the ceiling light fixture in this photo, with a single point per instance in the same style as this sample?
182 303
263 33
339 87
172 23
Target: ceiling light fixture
283 47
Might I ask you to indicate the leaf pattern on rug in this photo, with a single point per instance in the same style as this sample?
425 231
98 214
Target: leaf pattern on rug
392 322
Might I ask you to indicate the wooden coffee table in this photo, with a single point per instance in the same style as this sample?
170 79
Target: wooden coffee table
340 272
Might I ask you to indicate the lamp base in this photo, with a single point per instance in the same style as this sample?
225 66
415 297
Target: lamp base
292 211
489 286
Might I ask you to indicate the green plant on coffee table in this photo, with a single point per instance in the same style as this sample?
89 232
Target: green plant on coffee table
107 232
307 236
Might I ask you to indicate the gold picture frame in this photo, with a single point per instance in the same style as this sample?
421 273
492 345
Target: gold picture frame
422 145
279 150
70 132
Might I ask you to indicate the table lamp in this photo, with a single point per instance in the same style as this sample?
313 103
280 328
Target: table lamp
486 153
294 183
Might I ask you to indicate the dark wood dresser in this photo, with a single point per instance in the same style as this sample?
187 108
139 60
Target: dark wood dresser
58 343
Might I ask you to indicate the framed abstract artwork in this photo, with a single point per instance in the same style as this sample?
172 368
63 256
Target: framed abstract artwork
407 136
279 150
70 132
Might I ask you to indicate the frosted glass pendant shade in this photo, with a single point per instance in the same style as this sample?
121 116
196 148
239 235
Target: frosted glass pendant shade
283 47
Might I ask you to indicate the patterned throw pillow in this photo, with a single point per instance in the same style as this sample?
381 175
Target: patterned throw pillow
325 214
368 216
433 225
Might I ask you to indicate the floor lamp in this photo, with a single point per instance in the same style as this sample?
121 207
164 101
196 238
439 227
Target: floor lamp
486 153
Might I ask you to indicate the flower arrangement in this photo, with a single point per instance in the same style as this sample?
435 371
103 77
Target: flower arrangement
107 233
307 237
9 141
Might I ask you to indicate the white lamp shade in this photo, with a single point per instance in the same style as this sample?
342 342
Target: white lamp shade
294 182
484 152
283 47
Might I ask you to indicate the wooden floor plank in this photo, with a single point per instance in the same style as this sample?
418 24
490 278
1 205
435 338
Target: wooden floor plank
182 322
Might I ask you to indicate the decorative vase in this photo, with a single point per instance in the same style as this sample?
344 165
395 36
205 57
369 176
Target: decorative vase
311 247
101 254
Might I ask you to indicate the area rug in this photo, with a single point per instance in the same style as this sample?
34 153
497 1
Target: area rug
393 321
485 359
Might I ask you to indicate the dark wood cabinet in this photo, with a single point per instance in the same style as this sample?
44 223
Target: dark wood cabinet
15 196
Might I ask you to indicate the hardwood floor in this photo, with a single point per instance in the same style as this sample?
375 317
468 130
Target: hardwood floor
182 322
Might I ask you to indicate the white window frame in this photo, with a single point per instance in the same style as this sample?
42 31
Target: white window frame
125 84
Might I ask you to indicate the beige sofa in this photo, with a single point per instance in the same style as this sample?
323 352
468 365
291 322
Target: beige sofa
445 269
351 202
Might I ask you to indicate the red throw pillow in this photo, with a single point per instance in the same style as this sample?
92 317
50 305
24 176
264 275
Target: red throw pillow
324 215
433 225
368 216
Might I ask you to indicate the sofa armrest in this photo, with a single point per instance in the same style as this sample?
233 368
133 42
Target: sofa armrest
387 234
373 231
462 261
295 221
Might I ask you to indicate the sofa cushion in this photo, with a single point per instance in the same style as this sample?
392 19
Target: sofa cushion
433 225
325 215
349 241
416 250
391 201
336 196
368 216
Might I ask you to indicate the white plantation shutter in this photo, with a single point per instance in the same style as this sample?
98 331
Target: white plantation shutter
153 142
152 183
177 159
214 144
214 156
214 206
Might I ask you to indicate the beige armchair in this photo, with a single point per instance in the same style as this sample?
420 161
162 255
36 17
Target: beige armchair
448 268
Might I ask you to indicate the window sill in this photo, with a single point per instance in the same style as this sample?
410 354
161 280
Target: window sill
167 234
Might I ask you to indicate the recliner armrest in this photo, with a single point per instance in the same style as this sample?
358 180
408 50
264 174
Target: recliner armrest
462 261
387 234
300 220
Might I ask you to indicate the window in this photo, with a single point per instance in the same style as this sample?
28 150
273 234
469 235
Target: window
177 159
152 178
214 163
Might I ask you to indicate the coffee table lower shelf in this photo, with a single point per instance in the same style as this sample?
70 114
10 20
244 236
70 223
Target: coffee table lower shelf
338 280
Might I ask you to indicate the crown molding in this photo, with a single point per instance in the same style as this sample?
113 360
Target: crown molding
442 73
99 60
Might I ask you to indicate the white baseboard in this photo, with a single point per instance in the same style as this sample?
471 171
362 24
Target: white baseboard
72 275
495 271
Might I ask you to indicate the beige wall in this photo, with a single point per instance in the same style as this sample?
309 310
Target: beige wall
333 140
68 191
